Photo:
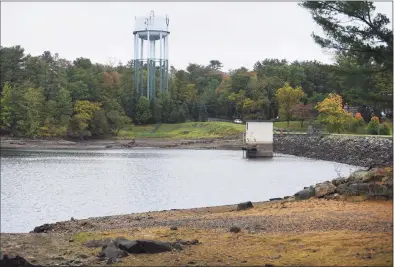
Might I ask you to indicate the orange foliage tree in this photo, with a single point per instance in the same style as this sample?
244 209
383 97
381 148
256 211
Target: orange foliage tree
332 114
358 123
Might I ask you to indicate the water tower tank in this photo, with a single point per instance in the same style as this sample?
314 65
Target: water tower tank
157 27
147 32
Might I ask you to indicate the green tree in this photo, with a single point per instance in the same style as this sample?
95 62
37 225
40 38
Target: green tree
287 98
11 112
143 113
368 37
33 107
116 121
363 40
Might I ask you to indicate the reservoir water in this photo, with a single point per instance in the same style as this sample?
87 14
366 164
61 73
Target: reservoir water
46 186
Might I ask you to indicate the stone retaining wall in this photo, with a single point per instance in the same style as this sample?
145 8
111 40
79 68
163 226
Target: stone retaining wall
353 150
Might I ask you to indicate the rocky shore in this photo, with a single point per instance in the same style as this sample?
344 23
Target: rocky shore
353 150
343 222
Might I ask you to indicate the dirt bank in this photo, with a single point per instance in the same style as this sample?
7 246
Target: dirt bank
118 144
310 233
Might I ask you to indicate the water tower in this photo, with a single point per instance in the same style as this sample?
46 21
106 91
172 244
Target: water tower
148 32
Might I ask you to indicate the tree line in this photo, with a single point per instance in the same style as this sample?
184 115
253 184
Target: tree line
47 95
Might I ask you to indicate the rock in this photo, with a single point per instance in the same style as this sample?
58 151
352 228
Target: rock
111 248
174 228
130 246
177 246
338 181
112 252
358 150
334 196
235 229
322 189
359 188
152 246
43 228
304 194
276 198
16 261
360 175
245 205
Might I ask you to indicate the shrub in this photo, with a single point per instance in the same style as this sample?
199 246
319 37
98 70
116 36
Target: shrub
373 126
385 129
358 123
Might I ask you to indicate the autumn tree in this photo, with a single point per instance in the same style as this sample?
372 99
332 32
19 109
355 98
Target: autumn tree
83 114
332 113
302 112
287 97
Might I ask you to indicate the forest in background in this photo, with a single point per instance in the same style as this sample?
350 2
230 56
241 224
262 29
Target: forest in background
47 95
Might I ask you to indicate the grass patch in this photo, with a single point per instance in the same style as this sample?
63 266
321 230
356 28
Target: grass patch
188 130
206 130
293 125
333 248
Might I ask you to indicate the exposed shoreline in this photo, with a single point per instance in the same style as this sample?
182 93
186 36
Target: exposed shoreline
21 143
284 232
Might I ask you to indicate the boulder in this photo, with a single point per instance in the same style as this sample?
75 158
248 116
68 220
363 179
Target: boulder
43 228
112 252
338 181
152 246
360 175
359 188
235 229
305 194
323 189
130 246
16 261
245 205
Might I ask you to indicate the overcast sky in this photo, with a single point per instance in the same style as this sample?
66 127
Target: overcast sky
237 34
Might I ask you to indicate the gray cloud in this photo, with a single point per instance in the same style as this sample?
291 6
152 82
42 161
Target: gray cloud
237 34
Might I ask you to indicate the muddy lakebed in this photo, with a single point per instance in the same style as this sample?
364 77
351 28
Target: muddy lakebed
50 185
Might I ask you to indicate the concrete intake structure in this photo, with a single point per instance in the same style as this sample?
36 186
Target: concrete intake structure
149 68
259 139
